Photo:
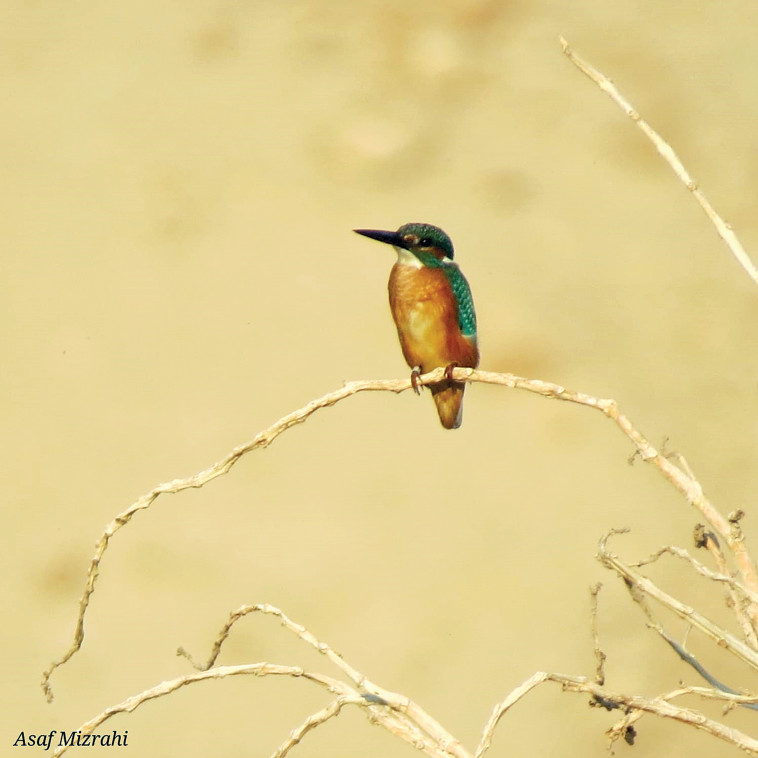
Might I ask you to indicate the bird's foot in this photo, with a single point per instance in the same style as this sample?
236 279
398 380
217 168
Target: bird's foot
449 371
415 374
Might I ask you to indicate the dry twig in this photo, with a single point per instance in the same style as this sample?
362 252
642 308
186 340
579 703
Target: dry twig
724 229
659 706
642 588
600 656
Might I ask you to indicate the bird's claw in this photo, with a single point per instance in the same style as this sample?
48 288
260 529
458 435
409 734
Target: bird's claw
449 371
415 374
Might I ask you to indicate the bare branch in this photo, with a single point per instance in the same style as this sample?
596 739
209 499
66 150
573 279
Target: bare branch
600 656
641 587
700 568
659 706
500 709
316 719
221 672
724 229
395 724
410 723
690 659
685 484
404 717
739 598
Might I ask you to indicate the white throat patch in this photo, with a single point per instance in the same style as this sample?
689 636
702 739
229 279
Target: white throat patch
407 258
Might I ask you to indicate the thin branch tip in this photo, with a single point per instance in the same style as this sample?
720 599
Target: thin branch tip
723 229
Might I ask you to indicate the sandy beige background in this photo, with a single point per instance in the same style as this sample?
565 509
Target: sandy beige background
179 185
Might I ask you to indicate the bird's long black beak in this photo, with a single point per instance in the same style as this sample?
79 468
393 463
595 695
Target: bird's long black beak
391 238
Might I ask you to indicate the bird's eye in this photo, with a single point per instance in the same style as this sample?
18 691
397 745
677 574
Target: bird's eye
425 242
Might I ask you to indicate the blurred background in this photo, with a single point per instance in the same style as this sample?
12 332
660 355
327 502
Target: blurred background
180 181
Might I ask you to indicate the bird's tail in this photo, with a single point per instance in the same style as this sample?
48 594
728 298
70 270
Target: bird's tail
448 397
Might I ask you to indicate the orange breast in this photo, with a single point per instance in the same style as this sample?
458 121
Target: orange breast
426 316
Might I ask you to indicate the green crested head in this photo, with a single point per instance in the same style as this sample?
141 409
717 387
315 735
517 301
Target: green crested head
428 243
426 238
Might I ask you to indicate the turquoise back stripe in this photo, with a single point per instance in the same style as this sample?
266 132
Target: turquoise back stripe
461 291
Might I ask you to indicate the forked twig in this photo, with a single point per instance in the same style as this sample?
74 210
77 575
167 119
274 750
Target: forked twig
641 588
660 706
404 712
721 578
739 598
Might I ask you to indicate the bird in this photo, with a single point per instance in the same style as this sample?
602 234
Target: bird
431 304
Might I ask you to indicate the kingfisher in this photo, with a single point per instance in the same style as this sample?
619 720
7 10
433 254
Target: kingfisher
433 310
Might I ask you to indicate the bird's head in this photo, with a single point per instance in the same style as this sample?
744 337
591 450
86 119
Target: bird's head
429 244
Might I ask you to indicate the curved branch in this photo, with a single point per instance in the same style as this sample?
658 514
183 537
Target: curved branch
221 672
683 481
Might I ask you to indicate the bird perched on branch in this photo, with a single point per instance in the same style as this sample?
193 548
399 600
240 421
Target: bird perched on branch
433 310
